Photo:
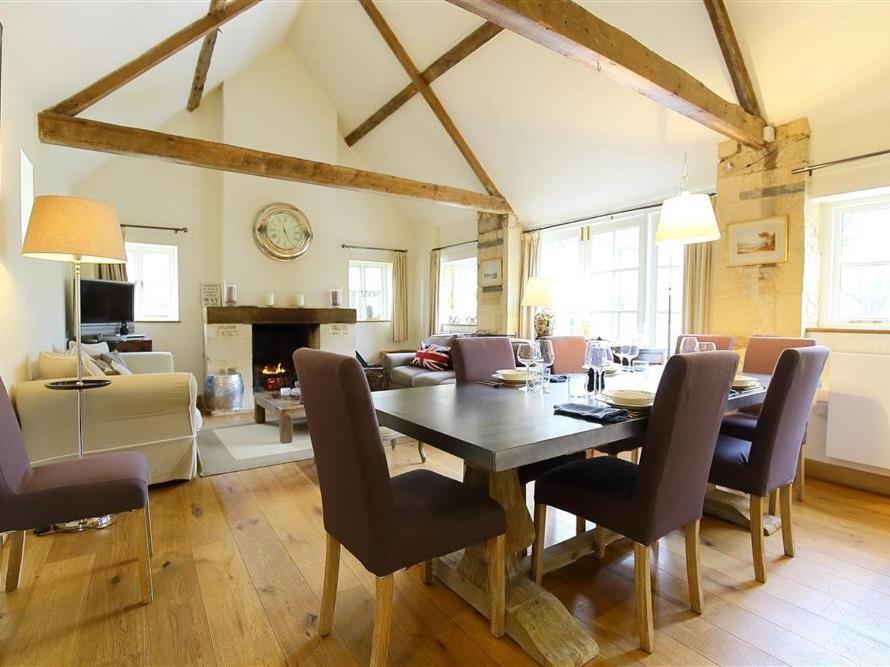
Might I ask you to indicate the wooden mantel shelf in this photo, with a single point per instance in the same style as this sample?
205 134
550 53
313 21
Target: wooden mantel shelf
271 315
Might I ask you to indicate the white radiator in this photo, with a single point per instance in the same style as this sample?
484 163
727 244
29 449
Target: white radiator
859 409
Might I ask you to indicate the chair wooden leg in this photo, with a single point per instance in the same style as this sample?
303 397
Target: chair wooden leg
16 556
145 583
787 535
580 525
800 478
643 578
599 539
538 546
426 572
420 451
151 542
329 589
774 503
382 620
757 538
693 572
497 575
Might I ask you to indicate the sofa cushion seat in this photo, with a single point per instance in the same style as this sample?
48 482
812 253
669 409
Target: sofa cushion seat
432 378
404 375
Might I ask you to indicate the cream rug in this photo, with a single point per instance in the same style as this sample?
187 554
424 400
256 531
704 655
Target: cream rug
246 446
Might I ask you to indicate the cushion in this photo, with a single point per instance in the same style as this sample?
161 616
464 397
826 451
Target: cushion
531 471
92 349
739 425
404 375
117 364
432 378
730 466
433 357
52 365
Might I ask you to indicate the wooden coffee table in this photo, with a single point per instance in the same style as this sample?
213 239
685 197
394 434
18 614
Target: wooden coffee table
286 408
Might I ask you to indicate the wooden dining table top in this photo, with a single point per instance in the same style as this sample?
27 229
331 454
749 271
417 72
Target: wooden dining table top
501 428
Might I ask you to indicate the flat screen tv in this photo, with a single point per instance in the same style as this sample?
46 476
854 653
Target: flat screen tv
106 301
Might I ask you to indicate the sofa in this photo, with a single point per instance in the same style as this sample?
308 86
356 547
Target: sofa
152 411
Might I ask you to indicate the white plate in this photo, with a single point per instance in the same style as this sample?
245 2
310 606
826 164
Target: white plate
514 375
628 398
745 382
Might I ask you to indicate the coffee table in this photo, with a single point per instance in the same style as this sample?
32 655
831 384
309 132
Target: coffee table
287 408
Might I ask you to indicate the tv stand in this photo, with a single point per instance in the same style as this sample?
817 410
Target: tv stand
128 344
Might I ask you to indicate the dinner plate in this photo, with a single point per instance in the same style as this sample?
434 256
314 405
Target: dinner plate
514 375
745 382
628 398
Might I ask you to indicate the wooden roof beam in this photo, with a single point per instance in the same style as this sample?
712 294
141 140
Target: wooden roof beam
442 64
65 130
431 98
570 30
158 53
203 67
732 54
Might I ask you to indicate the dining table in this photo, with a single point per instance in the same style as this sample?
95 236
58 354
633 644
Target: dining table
495 429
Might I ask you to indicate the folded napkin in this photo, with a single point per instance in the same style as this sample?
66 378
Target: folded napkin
559 378
590 412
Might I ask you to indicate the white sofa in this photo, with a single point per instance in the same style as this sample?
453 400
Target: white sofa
152 411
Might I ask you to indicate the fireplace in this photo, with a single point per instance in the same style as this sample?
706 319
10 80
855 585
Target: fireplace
273 348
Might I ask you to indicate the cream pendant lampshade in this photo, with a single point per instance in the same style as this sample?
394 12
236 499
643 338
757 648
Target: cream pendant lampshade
69 229
538 292
687 218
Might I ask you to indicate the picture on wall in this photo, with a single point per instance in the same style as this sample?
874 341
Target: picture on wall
758 242
491 272
211 294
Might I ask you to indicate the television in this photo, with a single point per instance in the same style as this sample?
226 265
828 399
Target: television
106 302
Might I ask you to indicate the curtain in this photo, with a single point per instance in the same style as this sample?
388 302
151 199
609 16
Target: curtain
531 259
435 261
116 272
697 288
400 297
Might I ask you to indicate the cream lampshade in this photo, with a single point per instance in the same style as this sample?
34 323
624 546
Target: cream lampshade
538 292
687 218
71 229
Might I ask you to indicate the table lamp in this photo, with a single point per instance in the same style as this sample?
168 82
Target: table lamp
71 229
538 294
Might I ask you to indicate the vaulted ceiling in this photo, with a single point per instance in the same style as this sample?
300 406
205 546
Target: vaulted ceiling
558 139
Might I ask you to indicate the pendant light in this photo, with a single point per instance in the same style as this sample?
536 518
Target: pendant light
686 217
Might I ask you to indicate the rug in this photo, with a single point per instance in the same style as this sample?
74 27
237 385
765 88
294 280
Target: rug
247 446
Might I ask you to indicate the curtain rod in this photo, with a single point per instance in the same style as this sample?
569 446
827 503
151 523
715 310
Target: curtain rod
454 245
370 247
610 214
175 230
810 168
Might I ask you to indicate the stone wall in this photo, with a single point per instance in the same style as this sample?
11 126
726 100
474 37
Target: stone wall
499 238
753 184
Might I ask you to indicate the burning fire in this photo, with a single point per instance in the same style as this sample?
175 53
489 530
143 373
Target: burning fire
273 369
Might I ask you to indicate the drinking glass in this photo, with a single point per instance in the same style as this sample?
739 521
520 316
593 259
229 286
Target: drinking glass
688 344
546 358
526 354
707 347
629 352
597 356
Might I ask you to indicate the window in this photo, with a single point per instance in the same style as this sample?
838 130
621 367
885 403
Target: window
610 280
856 288
457 295
155 271
370 290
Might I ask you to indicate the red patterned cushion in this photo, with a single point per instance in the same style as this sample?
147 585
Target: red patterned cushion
432 357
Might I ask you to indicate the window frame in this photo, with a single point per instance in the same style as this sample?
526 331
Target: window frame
139 248
386 292
832 213
455 256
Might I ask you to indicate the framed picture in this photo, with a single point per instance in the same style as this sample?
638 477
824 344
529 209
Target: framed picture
759 242
211 294
491 272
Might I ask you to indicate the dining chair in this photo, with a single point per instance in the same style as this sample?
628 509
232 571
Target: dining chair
665 491
721 342
67 491
568 352
761 358
767 462
386 523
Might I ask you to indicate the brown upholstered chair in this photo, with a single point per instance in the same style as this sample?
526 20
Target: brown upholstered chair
666 491
386 523
66 491
720 342
761 358
569 353
476 358
768 461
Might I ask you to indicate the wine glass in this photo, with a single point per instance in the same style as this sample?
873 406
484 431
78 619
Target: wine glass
707 347
526 354
688 344
597 356
547 358
629 352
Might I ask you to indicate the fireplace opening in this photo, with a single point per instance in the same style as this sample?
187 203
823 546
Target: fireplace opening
273 349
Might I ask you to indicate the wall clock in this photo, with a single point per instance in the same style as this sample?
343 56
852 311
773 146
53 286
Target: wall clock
282 231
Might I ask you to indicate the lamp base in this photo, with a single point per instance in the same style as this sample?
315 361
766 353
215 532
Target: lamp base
543 323
79 526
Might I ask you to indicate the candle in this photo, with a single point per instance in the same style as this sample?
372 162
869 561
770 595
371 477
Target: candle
270 298
231 294
299 300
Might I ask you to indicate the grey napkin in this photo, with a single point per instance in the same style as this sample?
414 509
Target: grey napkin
590 412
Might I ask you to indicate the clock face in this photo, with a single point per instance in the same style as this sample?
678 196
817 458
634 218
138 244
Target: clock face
282 231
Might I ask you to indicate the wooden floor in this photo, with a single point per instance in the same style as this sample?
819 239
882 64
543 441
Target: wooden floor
238 575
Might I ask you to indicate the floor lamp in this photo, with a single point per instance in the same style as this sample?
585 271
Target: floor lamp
70 229
685 218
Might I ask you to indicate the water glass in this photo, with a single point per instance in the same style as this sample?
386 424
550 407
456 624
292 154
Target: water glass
688 344
707 347
526 354
639 366
545 379
629 352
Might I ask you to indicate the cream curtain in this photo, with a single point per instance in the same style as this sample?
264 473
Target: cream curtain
116 272
531 259
433 306
697 288
400 297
